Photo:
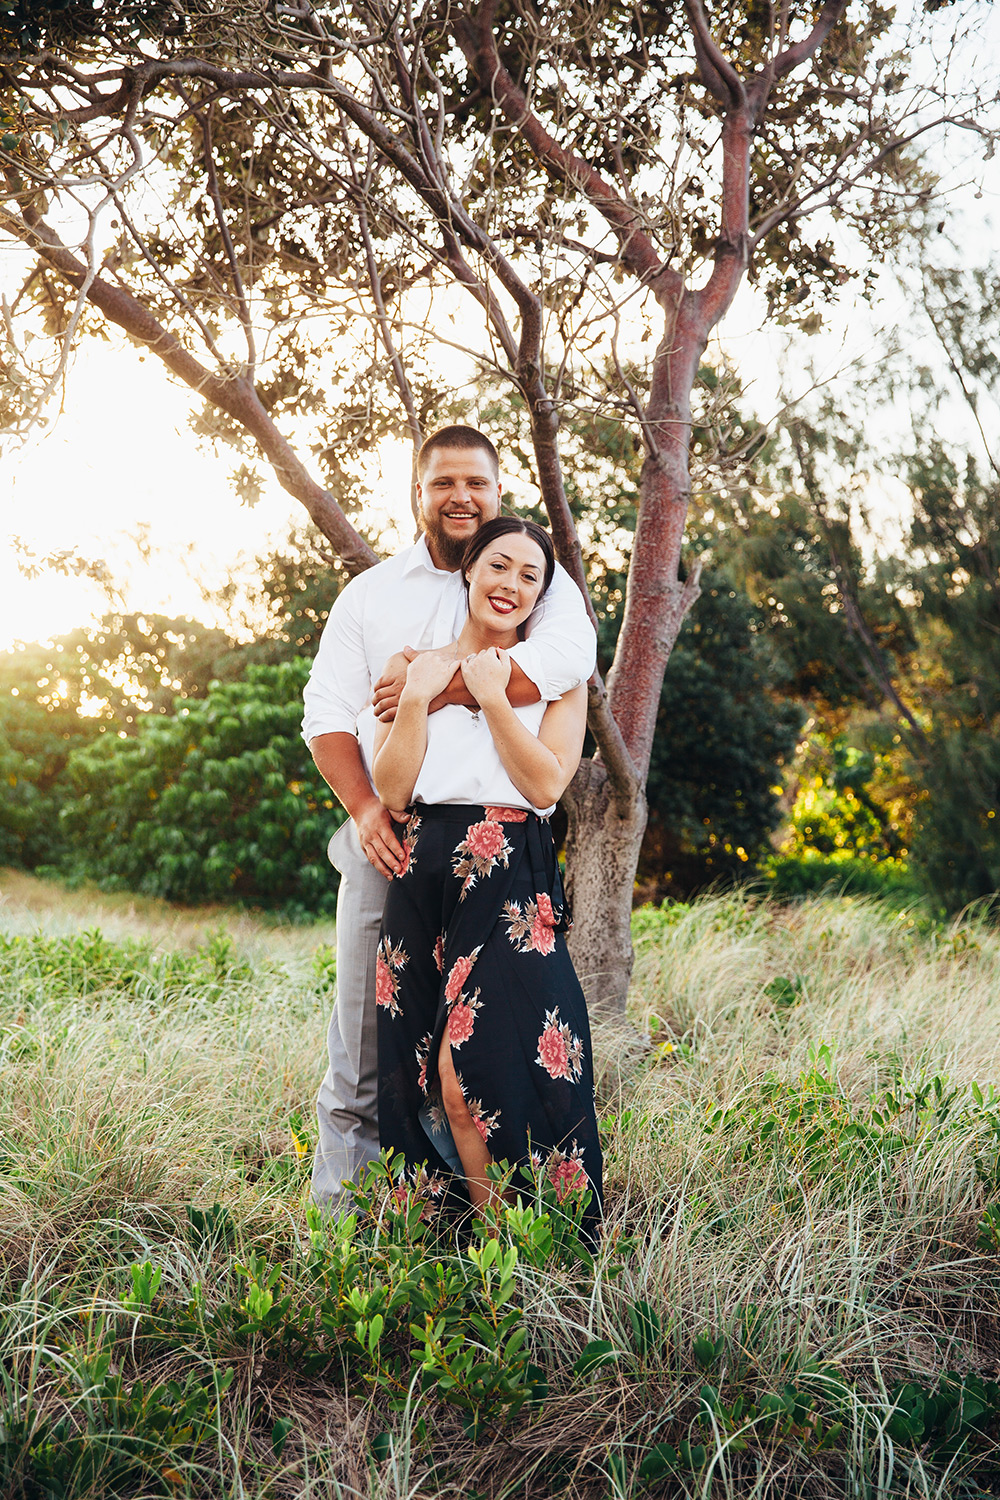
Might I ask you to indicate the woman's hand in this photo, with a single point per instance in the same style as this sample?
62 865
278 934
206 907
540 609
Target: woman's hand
427 675
486 674
386 692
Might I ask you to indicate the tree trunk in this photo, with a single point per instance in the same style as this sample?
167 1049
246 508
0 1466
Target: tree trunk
602 851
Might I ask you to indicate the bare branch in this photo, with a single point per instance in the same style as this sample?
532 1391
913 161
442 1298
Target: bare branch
622 771
717 72
208 155
475 37
800 52
385 333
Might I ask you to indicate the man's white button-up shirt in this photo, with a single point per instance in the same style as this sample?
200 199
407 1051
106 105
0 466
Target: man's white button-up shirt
407 601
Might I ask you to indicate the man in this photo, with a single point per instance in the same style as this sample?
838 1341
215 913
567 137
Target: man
415 601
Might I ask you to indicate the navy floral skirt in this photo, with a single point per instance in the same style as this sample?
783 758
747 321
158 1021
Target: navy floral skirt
473 939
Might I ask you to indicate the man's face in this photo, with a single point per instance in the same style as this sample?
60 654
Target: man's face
458 492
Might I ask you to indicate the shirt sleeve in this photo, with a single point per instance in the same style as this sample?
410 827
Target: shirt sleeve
340 683
560 651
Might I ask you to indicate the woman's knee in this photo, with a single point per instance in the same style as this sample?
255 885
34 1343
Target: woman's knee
453 1099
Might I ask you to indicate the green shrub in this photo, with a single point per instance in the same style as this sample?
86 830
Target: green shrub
88 963
789 876
36 739
218 802
722 736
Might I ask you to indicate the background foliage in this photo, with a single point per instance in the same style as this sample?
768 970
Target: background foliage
220 801
837 700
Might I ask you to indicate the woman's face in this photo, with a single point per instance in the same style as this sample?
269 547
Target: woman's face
505 581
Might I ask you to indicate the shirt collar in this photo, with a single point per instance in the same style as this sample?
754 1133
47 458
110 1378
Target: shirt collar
420 557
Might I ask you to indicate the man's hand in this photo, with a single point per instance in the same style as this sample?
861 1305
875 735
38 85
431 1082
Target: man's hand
386 692
378 839
486 674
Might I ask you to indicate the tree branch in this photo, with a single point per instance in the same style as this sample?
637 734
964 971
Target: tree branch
205 121
385 333
475 37
717 72
800 52
233 394
623 773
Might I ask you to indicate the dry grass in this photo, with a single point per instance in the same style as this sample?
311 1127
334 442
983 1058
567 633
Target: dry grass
31 905
127 1102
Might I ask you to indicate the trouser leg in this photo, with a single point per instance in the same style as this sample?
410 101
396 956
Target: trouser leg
347 1104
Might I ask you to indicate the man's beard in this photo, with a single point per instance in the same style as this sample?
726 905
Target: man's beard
449 549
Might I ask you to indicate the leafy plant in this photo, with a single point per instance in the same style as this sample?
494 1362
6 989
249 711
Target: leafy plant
220 801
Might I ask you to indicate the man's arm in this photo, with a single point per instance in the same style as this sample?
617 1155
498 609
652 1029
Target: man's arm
520 691
337 690
385 695
339 762
560 650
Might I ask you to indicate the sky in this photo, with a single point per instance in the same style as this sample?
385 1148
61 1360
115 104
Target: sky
121 463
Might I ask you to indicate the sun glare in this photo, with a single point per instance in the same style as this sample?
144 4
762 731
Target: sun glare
120 479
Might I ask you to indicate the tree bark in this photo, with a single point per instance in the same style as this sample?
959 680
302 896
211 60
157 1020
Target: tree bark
602 851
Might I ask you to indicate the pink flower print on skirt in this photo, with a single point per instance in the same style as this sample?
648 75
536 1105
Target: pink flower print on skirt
462 1018
460 971
532 930
390 962
484 847
560 1053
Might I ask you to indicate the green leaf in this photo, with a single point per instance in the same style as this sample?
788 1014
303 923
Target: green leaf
706 1350
279 1435
597 1353
710 1398
658 1461
693 1455
381 1446
647 1329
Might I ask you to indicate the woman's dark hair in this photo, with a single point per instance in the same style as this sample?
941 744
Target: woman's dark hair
503 526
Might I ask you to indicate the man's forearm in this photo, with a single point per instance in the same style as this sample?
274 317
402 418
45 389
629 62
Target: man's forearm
338 760
520 691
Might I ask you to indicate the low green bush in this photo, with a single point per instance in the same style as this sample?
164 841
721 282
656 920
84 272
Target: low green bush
220 801
421 1325
790 876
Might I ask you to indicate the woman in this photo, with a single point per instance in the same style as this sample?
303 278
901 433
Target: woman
484 1044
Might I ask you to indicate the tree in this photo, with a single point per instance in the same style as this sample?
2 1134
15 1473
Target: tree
587 176
956 583
722 736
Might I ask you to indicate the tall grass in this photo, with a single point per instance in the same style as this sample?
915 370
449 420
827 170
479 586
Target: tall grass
798 1291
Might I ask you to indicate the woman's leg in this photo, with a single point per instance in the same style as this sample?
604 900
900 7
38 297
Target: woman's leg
471 1147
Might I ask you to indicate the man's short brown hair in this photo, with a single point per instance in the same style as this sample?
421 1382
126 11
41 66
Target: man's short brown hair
457 437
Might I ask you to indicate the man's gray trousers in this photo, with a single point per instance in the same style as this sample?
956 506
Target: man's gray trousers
347 1104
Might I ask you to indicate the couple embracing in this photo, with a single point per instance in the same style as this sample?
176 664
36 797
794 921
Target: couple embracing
446 709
